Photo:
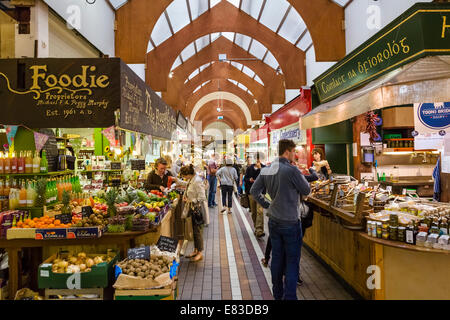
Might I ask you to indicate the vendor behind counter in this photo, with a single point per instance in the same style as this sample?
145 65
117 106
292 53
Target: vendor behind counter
158 179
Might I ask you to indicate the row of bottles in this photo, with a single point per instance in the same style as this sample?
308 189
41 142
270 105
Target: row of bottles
24 163
23 193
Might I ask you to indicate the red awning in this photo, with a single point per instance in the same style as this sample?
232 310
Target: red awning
291 112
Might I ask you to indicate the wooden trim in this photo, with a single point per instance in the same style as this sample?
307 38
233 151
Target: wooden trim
402 245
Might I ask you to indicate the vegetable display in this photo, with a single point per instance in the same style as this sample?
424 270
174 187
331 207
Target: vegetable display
79 263
145 269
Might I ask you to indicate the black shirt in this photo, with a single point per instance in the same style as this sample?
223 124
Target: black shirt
252 172
154 181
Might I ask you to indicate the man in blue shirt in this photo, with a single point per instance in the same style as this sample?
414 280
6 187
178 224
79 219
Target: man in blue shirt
285 184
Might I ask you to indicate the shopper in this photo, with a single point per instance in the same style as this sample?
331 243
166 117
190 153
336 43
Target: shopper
212 181
227 176
194 195
176 167
237 167
320 164
158 178
251 175
285 184
242 173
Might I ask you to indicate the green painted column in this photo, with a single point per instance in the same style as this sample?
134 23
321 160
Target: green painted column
100 142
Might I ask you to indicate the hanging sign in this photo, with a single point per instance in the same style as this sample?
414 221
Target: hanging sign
64 93
142 110
431 117
420 31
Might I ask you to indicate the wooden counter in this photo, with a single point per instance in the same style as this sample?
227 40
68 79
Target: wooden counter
405 271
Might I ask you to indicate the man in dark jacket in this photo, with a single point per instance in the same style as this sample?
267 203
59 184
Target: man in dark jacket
251 174
159 177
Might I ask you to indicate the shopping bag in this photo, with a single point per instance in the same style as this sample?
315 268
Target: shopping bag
188 230
205 212
245 203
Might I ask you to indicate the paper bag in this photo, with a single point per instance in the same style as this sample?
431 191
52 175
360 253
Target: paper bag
188 230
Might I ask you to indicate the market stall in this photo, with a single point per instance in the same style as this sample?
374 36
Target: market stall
381 232
284 124
45 205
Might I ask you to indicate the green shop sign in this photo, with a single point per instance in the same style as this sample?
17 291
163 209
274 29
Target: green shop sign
422 30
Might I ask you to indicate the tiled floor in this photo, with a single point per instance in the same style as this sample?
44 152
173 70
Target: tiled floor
231 268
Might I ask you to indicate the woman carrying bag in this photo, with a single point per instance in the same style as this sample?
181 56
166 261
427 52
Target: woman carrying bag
227 176
194 198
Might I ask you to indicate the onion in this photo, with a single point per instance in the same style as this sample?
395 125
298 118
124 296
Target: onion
89 262
73 260
82 255
82 267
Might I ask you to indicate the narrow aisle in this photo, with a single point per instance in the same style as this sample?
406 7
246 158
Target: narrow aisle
231 268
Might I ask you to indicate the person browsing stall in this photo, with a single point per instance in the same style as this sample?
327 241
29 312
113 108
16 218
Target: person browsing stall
284 183
320 164
159 177
195 195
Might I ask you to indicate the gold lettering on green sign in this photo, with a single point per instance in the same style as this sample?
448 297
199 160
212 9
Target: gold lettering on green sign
444 26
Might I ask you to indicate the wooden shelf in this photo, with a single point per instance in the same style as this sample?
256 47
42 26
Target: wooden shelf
55 173
101 170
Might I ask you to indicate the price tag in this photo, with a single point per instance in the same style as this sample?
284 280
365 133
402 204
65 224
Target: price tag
86 211
45 273
167 244
142 210
139 253
116 166
65 218
137 164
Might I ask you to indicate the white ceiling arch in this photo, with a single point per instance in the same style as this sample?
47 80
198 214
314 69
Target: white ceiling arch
249 44
221 95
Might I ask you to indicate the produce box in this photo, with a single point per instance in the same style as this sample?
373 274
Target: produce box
169 292
84 232
100 276
47 234
75 294
21 233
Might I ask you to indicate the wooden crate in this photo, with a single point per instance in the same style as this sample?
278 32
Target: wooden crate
69 292
169 292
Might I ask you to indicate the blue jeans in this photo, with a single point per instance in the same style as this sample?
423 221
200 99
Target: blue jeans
212 180
286 240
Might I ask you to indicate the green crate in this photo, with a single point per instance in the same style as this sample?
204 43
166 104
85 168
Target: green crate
101 276
393 136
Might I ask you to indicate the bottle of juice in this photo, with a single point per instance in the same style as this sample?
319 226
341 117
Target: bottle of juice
21 163
60 188
36 162
14 163
7 164
30 192
2 163
44 163
13 200
28 163
48 196
6 188
23 195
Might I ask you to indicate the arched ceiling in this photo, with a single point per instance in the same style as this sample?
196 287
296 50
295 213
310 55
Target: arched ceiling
256 109
264 42
228 109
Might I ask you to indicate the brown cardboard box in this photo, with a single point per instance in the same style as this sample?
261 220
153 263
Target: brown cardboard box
398 117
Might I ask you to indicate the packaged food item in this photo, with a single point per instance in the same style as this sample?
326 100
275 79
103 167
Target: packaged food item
393 219
393 230
379 230
401 234
374 229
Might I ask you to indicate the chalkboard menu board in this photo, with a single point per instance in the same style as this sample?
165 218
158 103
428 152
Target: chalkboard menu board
65 218
167 244
181 121
51 149
86 211
137 164
139 253
116 165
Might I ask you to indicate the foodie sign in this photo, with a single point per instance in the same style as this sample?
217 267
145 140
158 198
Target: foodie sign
80 93
422 30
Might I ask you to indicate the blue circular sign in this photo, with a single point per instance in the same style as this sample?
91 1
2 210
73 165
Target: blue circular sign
434 115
